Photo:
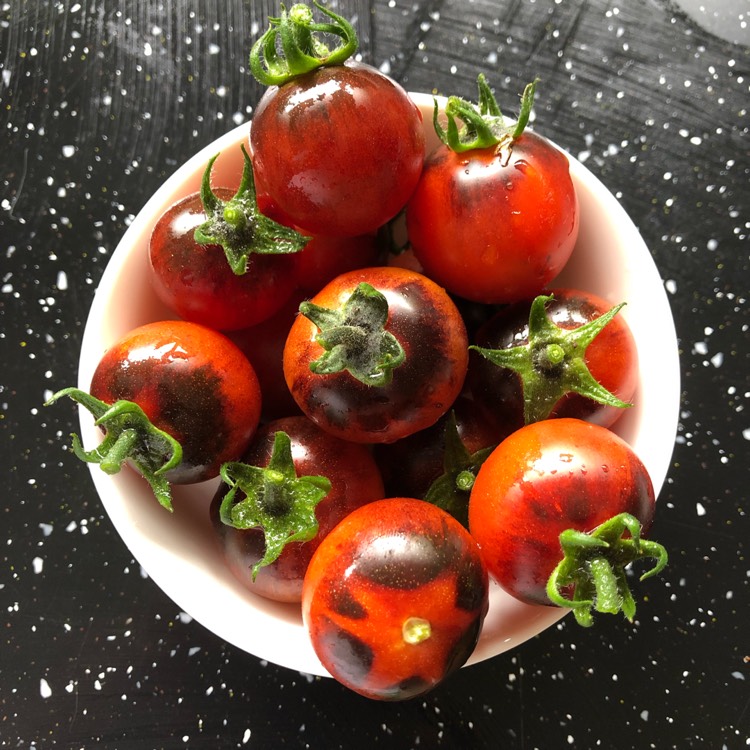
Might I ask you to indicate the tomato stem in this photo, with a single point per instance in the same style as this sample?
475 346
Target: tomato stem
238 225
291 46
553 362
129 436
484 125
274 499
594 564
416 630
354 338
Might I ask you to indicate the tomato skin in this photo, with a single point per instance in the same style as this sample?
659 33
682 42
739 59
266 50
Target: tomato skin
389 561
544 478
410 465
355 480
318 146
196 281
325 258
191 382
612 359
493 228
430 329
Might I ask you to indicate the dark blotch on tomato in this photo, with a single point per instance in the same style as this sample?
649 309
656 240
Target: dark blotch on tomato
343 603
346 648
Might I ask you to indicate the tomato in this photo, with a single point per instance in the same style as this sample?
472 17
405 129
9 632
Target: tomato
263 345
555 477
377 355
594 377
217 261
394 598
411 465
354 480
175 398
495 222
337 145
324 258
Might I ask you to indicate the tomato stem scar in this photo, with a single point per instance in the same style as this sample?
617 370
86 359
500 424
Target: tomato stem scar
416 630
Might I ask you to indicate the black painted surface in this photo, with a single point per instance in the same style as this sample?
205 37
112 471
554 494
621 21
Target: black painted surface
99 102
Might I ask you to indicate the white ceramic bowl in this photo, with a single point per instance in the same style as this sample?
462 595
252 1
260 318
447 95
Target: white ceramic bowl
178 550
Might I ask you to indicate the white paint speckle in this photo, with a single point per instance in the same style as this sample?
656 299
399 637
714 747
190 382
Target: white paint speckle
246 737
44 689
700 509
68 151
37 565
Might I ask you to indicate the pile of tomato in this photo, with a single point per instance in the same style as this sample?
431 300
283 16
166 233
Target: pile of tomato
392 424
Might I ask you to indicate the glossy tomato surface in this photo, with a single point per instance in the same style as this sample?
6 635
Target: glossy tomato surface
355 481
193 383
545 478
394 598
494 226
196 281
337 151
612 360
427 324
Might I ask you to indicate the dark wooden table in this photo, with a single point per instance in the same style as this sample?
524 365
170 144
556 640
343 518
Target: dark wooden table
99 102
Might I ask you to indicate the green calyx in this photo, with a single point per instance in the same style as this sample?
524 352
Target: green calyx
484 125
129 436
355 339
452 489
239 226
291 46
553 362
594 565
274 499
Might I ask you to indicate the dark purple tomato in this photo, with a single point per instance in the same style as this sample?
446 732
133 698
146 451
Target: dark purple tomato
355 480
337 151
377 355
394 599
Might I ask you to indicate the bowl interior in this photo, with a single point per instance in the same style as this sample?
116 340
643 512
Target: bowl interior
178 550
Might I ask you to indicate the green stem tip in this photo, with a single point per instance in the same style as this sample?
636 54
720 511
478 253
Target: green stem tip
594 565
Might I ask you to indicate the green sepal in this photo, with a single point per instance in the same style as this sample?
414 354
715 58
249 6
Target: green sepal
129 436
594 565
274 499
239 226
553 362
483 123
354 337
291 46
452 489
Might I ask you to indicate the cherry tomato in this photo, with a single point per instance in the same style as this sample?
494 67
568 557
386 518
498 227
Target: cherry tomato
494 223
610 359
386 355
263 345
544 479
196 281
337 151
354 478
325 258
191 382
394 598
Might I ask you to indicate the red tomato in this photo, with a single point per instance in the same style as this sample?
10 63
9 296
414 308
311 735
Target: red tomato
324 258
197 283
494 218
394 598
191 382
355 480
384 367
337 151
611 359
543 479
